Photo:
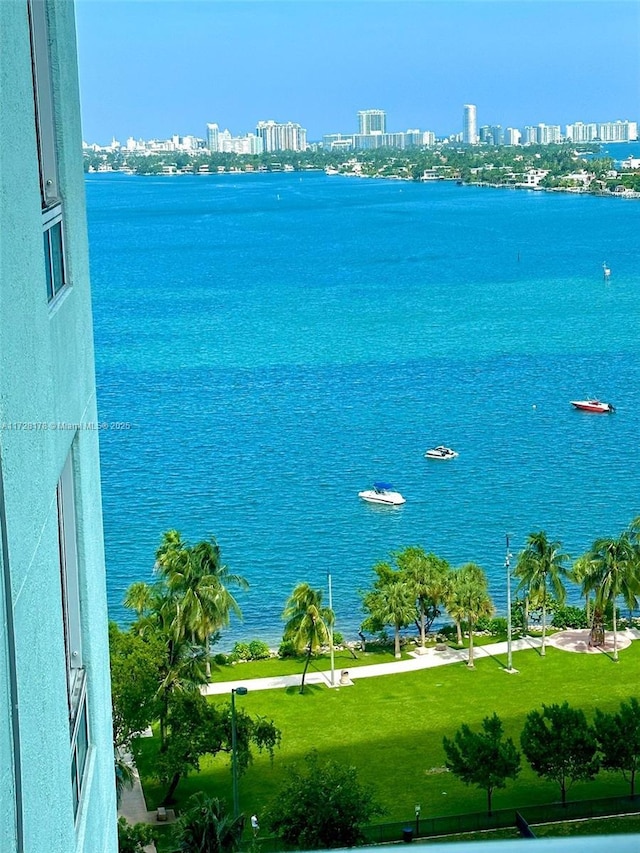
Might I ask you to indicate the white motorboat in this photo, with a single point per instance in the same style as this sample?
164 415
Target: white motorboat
596 406
441 452
382 493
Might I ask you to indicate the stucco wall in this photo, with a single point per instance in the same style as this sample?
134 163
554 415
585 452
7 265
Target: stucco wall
47 377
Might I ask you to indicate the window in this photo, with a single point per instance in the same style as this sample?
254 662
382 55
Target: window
70 588
52 212
53 252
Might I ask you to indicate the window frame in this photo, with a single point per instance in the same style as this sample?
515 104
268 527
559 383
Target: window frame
54 243
79 729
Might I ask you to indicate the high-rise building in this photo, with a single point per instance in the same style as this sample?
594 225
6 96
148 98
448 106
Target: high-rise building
469 124
491 134
372 121
56 747
579 132
618 131
282 137
512 136
549 133
213 136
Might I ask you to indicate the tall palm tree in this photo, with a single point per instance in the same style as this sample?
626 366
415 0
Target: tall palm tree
308 622
453 603
472 593
614 573
199 579
427 576
541 568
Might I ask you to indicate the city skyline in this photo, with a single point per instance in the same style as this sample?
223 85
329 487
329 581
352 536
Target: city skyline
157 68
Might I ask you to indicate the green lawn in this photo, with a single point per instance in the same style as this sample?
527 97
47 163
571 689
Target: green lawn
294 666
391 729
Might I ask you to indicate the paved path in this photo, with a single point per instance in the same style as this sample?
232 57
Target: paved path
565 640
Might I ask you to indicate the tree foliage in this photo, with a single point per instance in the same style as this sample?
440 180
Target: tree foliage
187 605
560 745
322 805
541 567
391 601
427 577
207 827
467 599
308 623
483 758
135 663
613 572
133 838
196 728
618 737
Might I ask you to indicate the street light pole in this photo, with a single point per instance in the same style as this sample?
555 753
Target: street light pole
507 565
333 667
418 810
241 691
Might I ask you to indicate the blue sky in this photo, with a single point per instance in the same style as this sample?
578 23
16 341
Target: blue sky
152 69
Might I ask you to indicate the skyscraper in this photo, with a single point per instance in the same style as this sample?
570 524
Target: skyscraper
282 137
372 121
213 136
469 125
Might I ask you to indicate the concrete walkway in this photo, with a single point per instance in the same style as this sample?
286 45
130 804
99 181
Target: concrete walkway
566 640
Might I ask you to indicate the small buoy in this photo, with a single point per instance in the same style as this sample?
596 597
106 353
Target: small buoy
534 406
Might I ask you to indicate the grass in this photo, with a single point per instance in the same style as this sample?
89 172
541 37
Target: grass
294 666
391 729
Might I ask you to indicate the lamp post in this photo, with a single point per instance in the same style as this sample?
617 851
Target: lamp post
507 565
418 809
333 663
241 691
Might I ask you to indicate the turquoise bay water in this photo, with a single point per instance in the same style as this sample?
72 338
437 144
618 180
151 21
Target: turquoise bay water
278 342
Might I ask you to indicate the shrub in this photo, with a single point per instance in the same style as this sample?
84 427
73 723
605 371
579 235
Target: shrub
287 650
259 650
220 659
498 625
570 617
241 651
338 639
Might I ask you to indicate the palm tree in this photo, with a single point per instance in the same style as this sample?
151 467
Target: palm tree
614 573
197 576
541 568
427 576
473 598
579 571
308 622
207 827
139 597
392 601
453 603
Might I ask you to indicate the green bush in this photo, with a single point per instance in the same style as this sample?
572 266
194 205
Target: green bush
570 617
338 639
259 650
498 625
220 659
241 651
287 650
